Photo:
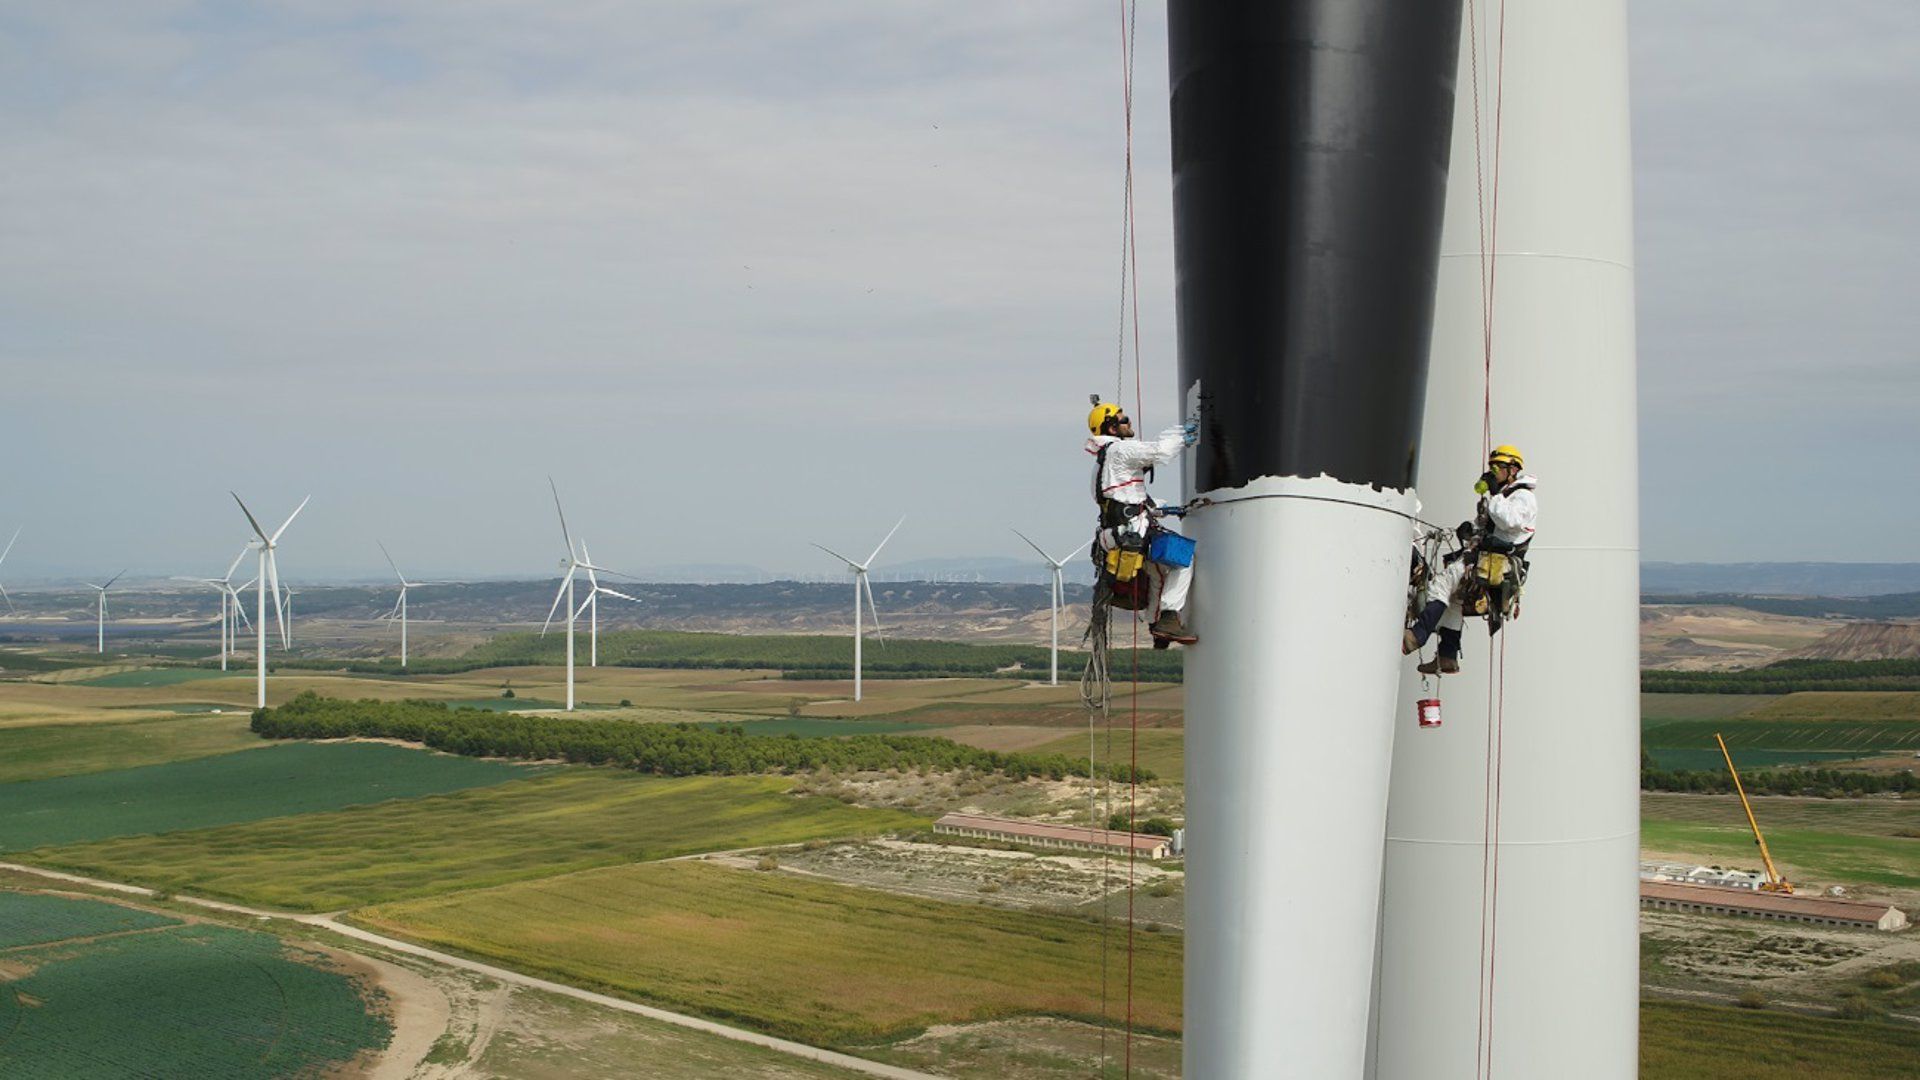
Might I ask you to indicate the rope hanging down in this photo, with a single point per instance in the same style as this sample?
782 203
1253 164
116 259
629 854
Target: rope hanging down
1488 207
1096 683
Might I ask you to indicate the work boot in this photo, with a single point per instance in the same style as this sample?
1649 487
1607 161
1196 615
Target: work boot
1169 628
1409 644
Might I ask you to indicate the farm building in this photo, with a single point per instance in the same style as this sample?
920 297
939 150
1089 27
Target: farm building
1716 900
1040 834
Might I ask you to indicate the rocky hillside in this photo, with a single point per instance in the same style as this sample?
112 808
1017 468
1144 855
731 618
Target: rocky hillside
1867 641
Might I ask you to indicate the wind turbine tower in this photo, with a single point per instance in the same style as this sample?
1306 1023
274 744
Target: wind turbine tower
1059 601
593 604
230 605
860 585
574 562
100 624
400 606
268 581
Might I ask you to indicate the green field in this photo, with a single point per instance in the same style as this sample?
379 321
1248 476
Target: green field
1747 757
36 918
34 753
1662 708
1828 856
150 677
276 781
1683 1041
1162 750
552 824
819 962
180 1001
1858 737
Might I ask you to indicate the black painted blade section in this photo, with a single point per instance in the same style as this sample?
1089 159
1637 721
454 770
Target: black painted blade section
1310 144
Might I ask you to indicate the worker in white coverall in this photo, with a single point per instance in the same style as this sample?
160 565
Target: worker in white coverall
1120 489
1504 524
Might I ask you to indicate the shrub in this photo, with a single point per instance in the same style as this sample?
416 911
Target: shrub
1751 999
1884 979
767 862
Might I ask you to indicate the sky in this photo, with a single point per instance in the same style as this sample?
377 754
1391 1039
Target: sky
741 276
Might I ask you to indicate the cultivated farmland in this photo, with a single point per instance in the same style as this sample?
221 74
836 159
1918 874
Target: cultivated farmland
818 962
563 821
36 918
176 1000
227 788
35 753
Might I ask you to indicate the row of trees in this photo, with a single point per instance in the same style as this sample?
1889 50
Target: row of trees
1789 676
799 656
1821 783
666 749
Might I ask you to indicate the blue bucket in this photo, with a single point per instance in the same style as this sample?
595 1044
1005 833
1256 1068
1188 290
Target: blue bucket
1170 549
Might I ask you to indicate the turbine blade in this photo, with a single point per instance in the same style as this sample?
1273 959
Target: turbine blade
16 536
8 599
621 595
585 604
396 569
235 564
1032 545
877 632
273 586
586 563
240 606
556 603
1082 546
111 580
564 534
883 543
837 555
283 525
251 520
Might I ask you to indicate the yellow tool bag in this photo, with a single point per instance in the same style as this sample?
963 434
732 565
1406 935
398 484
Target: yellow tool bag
1122 564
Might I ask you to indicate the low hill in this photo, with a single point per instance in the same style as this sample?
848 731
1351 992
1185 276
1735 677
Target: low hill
1867 641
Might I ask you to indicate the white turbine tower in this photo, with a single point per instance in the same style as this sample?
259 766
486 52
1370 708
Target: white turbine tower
593 605
286 604
3 559
861 584
575 561
230 605
400 606
101 623
268 581
1059 600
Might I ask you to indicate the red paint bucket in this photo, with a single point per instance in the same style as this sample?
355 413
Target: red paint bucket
1427 711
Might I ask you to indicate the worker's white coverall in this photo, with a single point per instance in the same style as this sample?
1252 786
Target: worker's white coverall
1510 514
1123 479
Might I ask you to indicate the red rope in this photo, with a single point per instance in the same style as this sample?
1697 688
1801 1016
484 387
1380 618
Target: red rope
1489 225
1493 919
1133 810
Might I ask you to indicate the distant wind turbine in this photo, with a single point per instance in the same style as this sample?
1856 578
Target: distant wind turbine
593 605
268 581
861 584
400 606
230 605
574 562
1059 601
3 559
101 624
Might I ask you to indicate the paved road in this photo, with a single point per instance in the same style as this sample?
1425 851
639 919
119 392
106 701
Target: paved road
328 922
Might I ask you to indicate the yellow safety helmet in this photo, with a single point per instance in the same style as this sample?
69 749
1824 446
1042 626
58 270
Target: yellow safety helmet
1103 411
1507 454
